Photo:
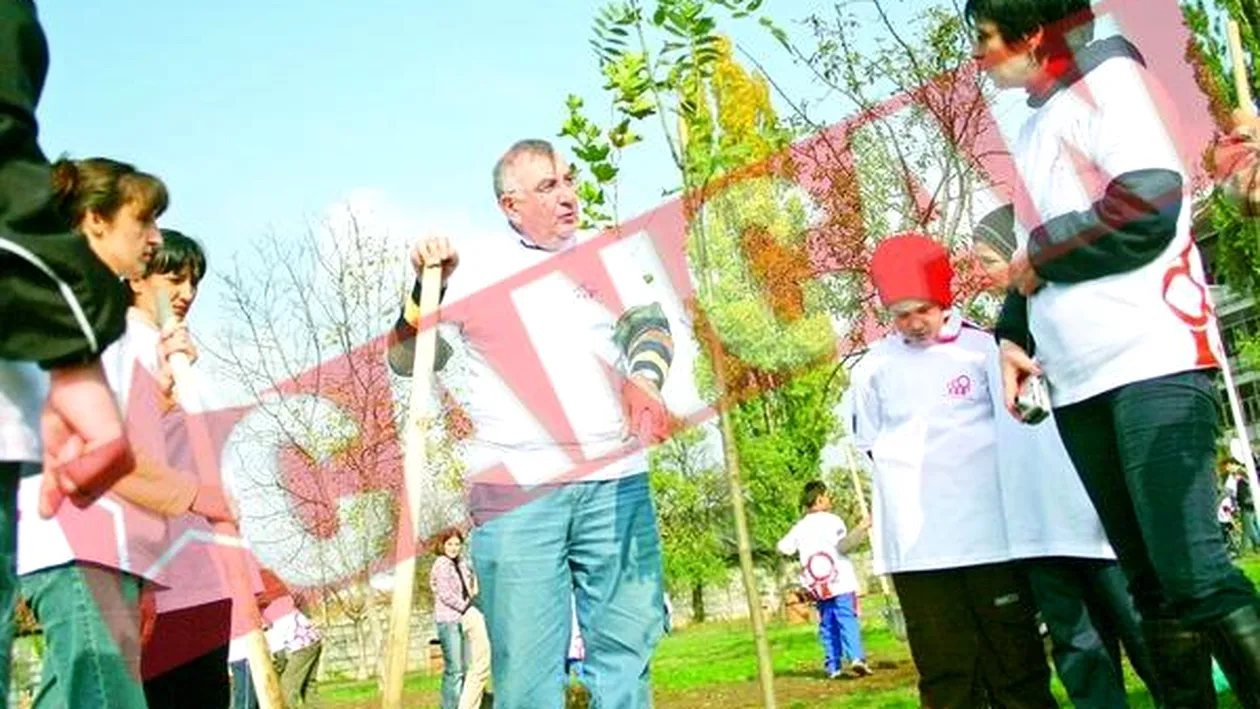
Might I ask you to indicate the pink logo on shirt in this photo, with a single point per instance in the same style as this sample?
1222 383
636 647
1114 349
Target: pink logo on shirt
959 387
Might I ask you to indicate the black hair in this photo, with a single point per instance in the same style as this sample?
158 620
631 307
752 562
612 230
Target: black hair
179 253
1017 19
814 489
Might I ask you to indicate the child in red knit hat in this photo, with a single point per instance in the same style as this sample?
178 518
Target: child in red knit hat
923 413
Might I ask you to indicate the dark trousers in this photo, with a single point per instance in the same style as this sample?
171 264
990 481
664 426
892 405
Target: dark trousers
1146 452
973 635
186 635
201 683
1087 608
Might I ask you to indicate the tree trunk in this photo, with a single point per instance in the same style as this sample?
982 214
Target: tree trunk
377 634
697 603
362 672
765 664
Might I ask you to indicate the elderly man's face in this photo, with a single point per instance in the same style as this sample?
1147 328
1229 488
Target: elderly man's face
540 200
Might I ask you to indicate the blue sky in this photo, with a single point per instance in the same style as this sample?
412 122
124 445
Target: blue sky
260 115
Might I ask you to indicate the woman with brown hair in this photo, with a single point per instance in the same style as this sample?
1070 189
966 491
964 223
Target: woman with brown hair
82 570
460 629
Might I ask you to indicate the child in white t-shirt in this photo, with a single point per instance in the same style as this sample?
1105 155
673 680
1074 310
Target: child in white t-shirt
821 540
923 413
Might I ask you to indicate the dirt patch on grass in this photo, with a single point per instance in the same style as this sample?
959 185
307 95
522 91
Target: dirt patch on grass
792 689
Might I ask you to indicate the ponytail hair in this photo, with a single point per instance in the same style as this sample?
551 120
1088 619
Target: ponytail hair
103 186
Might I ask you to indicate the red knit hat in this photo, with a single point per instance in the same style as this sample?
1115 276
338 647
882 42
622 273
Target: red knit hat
912 266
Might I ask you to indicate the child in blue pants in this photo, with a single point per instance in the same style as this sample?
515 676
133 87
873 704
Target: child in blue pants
821 540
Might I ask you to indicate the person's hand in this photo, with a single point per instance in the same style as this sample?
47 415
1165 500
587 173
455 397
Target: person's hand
434 250
1023 278
175 338
1237 161
85 448
645 414
1016 365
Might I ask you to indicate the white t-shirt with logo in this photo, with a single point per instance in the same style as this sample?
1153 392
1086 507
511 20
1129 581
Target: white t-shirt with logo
565 347
1100 334
925 416
815 539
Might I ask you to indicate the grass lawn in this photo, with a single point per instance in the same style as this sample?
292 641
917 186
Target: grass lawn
714 665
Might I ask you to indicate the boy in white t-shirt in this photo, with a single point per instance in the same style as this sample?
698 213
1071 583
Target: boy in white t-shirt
923 412
821 541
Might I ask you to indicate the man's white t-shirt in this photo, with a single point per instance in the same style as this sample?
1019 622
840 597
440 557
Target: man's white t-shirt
533 371
925 416
815 539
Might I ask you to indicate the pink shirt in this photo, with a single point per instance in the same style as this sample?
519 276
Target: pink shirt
449 597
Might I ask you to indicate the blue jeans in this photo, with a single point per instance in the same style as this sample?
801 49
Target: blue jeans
597 540
91 621
8 569
839 630
243 696
1147 455
451 638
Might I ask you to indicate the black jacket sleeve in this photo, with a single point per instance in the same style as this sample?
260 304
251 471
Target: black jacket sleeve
1012 322
61 304
1131 224
400 353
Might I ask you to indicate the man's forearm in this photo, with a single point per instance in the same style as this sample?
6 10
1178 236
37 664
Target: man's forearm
400 350
643 334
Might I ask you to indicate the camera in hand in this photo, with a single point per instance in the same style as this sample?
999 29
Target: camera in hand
1033 400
